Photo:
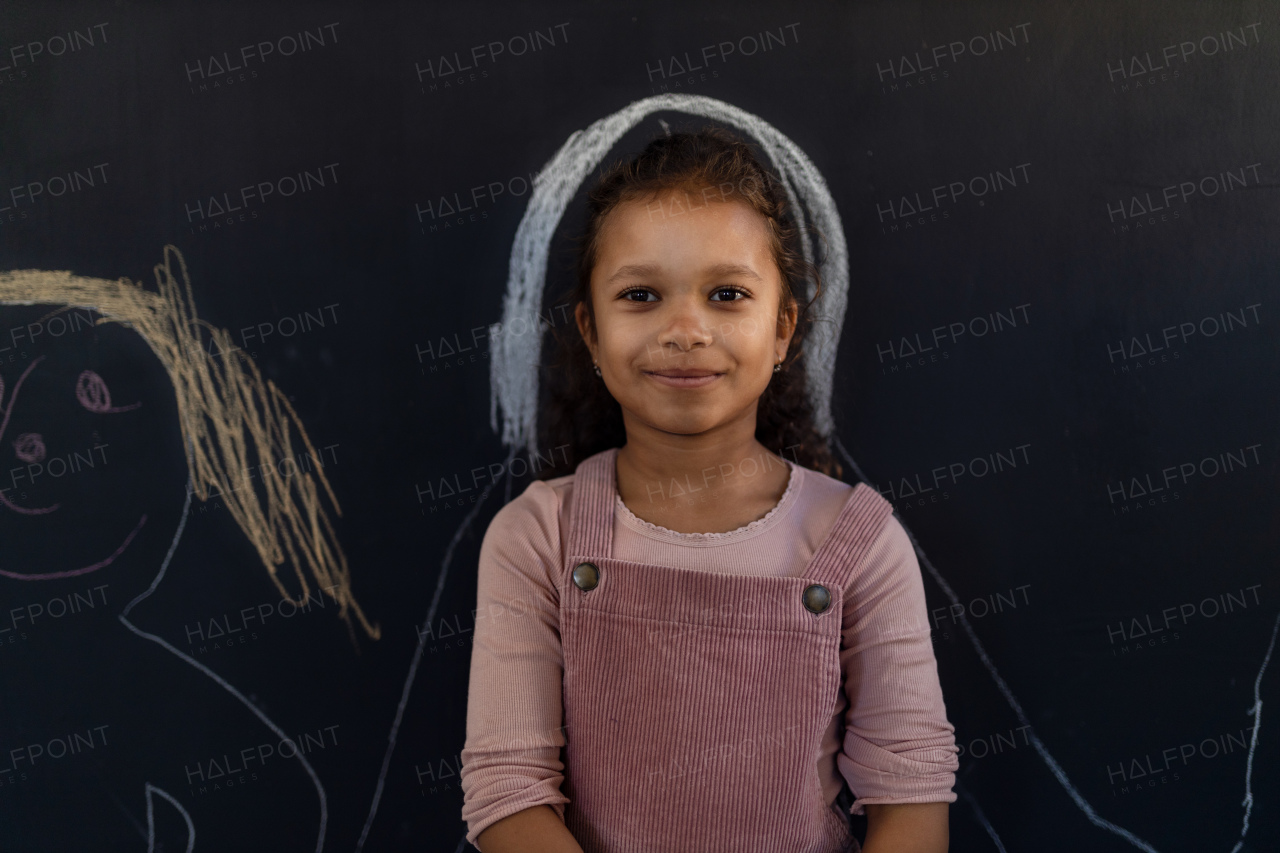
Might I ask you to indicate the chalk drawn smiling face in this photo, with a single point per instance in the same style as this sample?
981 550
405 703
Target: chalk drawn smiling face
79 448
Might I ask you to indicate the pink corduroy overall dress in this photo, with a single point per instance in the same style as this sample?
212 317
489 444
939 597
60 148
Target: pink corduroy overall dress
695 703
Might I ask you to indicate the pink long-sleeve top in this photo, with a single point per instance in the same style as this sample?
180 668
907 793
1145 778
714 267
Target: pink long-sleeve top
889 735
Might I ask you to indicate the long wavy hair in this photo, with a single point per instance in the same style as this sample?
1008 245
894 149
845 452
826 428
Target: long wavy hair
580 411
233 419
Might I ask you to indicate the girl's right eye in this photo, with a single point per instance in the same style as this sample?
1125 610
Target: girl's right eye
631 290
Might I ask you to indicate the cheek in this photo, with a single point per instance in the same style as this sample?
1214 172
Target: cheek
624 344
753 337
754 332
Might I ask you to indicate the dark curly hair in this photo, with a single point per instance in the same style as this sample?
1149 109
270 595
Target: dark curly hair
580 413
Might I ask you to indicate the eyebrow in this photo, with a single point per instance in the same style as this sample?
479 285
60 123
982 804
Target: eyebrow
634 270
712 271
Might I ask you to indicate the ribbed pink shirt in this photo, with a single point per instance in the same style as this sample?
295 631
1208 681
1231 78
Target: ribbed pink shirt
889 736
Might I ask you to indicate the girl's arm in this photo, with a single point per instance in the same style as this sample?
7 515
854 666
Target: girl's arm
905 828
535 830
511 761
899 750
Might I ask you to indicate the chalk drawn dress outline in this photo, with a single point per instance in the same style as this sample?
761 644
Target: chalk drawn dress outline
294 527
515 359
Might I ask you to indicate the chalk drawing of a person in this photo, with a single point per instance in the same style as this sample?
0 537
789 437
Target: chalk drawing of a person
102 722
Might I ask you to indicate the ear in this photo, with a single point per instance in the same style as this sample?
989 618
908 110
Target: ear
583 318
788 317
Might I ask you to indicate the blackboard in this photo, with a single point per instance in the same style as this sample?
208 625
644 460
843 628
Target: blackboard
1057 360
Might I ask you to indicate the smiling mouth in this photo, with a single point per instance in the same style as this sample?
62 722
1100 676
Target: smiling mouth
101 564
683 379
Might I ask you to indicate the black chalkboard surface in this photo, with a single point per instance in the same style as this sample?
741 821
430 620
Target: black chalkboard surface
264 347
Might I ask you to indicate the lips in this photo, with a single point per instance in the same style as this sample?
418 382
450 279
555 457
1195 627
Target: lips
683 378
683 374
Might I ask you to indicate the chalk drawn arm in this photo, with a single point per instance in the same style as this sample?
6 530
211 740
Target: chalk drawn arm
152 792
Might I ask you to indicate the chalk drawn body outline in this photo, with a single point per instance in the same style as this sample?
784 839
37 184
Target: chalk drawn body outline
150 789
296 527
514 378
217 679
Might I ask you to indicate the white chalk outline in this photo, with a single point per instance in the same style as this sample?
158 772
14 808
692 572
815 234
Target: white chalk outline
982 817
515 357
515 360
1039 746
151 820
513 375
394 734
123 617
1256 713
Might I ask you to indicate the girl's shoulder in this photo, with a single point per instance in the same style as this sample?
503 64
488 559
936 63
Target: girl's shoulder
532 525
822 495
544 498
541 500
821 484
823 498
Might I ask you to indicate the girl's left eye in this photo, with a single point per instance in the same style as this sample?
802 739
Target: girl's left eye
736 290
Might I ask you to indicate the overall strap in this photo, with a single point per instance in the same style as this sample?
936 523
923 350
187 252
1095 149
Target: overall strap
850 538
592 509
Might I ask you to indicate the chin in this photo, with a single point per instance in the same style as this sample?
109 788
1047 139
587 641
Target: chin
682 426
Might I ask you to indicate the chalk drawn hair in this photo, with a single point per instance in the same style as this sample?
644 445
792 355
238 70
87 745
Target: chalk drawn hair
232 420
515 357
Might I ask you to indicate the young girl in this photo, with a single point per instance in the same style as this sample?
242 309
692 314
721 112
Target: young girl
693 640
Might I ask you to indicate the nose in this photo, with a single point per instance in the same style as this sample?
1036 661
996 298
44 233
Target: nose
686 326
29 447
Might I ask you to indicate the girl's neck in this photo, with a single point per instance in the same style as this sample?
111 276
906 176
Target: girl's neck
700 489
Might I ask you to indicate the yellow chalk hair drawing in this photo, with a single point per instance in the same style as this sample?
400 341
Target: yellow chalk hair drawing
232 420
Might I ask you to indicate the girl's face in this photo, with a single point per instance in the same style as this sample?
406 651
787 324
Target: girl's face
687 325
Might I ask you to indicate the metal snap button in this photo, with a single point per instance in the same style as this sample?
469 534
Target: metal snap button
816 598
586 576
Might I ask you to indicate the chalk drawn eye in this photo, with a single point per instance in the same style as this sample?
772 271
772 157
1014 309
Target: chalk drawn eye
93 394
29 447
